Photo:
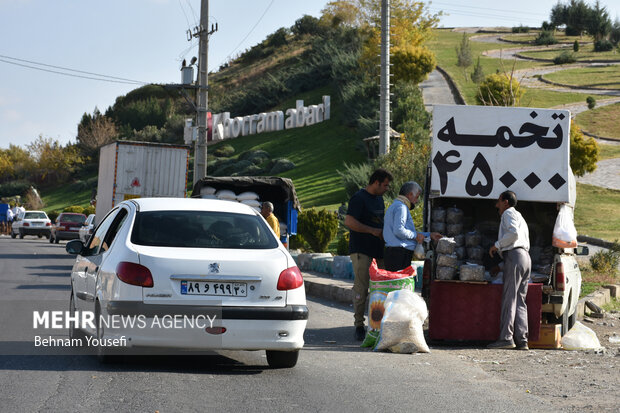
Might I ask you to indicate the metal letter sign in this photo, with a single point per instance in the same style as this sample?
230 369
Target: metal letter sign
481 151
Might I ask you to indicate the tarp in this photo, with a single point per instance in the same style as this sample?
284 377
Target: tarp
269 188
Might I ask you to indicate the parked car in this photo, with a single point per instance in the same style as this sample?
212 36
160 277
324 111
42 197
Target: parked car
67 226
31 223
86 230
157 257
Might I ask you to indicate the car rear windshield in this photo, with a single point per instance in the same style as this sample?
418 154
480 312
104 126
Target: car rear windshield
202 229
35 215
73 218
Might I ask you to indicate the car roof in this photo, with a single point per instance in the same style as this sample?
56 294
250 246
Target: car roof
191 204
72 213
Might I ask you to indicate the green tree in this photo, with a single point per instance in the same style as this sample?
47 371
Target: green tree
576 46
94 132
584 152
464 57
412 63
598 23
53 162
500 90
477 75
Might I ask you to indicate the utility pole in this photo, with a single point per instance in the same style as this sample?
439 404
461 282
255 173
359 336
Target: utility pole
200 148
384 106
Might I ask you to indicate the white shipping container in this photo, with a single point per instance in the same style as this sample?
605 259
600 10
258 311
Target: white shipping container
139 170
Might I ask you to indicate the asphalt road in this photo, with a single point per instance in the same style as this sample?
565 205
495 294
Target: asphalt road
333 373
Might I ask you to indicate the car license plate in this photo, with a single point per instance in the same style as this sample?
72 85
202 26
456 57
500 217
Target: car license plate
37 224
214 288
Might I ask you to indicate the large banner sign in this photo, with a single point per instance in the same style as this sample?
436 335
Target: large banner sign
481 151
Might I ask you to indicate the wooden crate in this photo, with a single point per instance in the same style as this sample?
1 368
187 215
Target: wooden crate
550 336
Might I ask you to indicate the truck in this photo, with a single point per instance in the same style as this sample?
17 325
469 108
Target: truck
480 152
130 169
279 191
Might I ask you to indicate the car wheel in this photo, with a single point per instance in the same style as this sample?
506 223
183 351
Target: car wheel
282 359
21 234
13 235
565 326
74 333
39 236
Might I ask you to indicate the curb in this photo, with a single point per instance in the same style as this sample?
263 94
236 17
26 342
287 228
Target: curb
595 241
453 88
599 137
599 297
323 286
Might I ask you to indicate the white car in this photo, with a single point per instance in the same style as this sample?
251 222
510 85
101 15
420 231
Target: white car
180 258
31 223
87 228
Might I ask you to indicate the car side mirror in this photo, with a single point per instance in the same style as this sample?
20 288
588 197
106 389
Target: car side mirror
582 250
74 247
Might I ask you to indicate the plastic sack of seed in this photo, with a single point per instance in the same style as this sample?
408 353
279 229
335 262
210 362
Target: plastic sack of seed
471 272
475 253
460 252
459 239
454 216
445 273
438 215
438 227
446 245
402 323
382 282
447 260
473 239
454 229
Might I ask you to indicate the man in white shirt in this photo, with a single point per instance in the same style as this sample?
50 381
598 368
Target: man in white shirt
513 245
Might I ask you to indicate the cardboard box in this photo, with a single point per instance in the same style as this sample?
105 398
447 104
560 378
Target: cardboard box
550 336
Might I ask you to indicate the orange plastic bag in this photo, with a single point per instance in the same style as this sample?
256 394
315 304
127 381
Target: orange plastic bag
379 274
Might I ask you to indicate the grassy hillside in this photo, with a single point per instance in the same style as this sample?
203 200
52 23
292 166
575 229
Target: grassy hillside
318 151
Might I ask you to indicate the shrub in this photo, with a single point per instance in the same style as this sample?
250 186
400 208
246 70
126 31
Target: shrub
591 102
583 152
297 242
224 151
89 210
318 228
307 25
14 188
564 58
499 90
343 244
521 29
281 165
355 177
545 38
74 208
256 156
576 46
603 46
606 261
52 215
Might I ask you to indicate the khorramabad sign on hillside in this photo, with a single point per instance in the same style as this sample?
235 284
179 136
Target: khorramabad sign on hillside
225 127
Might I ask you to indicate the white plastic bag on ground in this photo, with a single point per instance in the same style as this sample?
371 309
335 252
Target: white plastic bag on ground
402 323
580 337
564 228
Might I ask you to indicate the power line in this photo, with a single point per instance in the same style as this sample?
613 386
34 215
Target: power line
484 8
250 32
130 82
109 78
189 26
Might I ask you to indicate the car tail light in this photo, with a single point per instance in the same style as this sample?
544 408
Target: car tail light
215 330
426 277
290 279
48 224
26 224
134 274
560 280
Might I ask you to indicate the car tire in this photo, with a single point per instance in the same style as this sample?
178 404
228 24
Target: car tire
565 326
572 319
21 234
13 235
282 359
74 333
39 236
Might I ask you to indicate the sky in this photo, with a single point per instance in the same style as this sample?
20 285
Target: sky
132 42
